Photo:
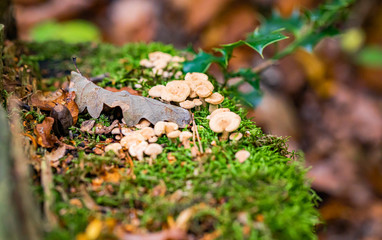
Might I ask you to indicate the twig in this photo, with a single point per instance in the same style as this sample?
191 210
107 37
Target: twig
197 134
264 65
75 64
131 163
193 130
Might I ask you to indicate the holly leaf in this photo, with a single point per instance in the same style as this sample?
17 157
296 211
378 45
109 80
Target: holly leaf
292 24
312 39
258 40
227 49
201 62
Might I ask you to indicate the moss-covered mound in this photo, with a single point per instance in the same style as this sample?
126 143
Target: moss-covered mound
265 197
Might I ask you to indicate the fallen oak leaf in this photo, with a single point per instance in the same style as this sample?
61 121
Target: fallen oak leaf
134 108
56 154
42 131
48 101
128 89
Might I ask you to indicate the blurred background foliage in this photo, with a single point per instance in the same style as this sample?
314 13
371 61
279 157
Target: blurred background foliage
328 101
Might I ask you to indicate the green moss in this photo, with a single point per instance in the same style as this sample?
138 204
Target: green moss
257 199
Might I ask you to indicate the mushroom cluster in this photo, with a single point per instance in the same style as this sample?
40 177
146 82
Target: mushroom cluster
160 62
224 121
185 92
142 142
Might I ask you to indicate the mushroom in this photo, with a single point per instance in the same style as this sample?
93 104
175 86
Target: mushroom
196 76
153 150
154 56
147 132
142 124
136 150
197 102
170 127
156 91
219 110
203 91
214 100
173 135
153 139
242 155
187 104
176 91
184 137
115 147
134 138
225 122
125 131
236 136
160 128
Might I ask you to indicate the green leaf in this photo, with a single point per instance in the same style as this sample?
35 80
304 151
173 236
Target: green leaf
312 39
293 24
259 40
227 50
370 56
202 62
254 96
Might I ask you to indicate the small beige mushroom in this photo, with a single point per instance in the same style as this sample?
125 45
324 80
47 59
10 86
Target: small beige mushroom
146 63
203 91
156 91
143 123
170 127
187 104
147 132
115 147
184 137
153 139
196 76
197 102
219 110
242 155
134 138
176 91
153 150
160 128
173 135
125 131
214 100
136 150
159 56
225 123
235 136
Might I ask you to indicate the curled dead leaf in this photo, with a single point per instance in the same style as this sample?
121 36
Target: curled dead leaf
42 131
63 120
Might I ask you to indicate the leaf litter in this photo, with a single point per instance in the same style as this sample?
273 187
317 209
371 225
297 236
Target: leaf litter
173 194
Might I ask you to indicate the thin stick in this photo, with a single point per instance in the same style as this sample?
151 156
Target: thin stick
197 135
264 65
193 130
75 64
131 163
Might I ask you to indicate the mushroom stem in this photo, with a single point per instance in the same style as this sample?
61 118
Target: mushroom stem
224 135
186 144
213 107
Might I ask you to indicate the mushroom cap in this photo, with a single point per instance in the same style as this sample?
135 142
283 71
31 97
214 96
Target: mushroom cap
136 150
242 155
143 123
219 110
115 147
160 128
147 132
203 91
125 131
156 91
153 149
173 134
236 136
187 104
159 56
185 135
197 102
170 127
225 121
176 91
195 76
215 98
153 139
129 140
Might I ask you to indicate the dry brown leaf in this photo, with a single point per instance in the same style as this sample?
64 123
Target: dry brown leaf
63 120
46 101
72 106
56 154
128 89
42 131
134 108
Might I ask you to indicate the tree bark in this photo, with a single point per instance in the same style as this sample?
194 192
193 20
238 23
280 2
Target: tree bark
7 19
